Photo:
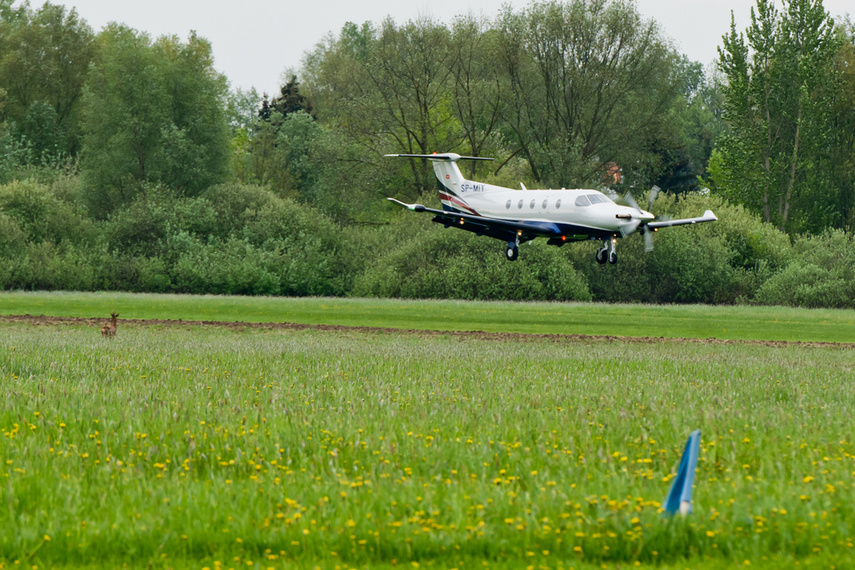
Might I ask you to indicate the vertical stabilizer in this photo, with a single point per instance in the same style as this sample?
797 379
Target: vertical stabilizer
452 185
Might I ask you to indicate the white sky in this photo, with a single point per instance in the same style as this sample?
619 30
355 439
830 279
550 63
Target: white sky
255 41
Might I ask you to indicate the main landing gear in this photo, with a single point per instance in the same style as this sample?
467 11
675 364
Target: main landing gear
512 251
607 252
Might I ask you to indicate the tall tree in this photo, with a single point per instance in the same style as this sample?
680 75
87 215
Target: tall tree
44 59
843 148
589 81
779 94
388 89
154 112
476 87
290 100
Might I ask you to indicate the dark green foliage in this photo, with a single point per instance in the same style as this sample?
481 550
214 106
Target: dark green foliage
147 224
289 101
153 113
177 193
822 274
12 237
444 264
43 216
235 204
233 267
43 135
44 58
780 91
722 262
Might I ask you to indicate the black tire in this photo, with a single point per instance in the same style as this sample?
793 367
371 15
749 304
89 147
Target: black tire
612 257
601 256
512 252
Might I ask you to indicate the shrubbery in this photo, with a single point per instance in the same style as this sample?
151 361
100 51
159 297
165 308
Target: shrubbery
445 264
242 239
822 274
234 239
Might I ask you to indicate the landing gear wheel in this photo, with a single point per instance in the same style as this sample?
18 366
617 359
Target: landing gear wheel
512 252
612 257
601 256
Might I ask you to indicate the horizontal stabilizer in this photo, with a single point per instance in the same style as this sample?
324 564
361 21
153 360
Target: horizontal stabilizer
413 207
707 217
445 156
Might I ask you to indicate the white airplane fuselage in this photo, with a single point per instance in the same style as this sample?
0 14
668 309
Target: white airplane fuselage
518 216
566 207
584 210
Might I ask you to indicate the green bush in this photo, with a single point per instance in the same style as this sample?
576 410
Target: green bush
317 257
233 267
804 284
234 204
821 275
719 262
144 227
441 263
12 237
49 267
42 215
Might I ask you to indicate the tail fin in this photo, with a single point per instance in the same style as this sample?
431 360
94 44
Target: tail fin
451 180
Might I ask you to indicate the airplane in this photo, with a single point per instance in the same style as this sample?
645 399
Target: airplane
516 217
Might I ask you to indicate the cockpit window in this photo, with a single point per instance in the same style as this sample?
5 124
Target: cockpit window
598 199
582 200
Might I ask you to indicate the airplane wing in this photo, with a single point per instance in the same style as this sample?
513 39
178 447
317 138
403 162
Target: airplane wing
707 217
494 227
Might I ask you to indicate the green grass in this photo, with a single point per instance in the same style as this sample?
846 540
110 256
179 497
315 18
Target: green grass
673 321
190 447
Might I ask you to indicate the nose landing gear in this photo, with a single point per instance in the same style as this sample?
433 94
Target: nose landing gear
607 252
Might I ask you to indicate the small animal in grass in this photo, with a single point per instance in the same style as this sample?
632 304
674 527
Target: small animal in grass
109 331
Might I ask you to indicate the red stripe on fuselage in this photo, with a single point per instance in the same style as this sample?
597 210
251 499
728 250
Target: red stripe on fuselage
455 201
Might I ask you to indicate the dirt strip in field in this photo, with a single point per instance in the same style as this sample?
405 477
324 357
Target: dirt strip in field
42 320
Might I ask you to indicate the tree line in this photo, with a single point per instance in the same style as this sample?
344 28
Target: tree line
126 162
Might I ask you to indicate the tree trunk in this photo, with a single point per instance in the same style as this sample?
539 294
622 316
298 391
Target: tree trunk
794 160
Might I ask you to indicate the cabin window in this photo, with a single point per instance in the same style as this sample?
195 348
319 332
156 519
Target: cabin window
582 201
520 204
544 204
558 203
531 205
508 205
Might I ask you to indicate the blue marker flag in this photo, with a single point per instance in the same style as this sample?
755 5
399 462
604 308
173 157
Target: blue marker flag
680 496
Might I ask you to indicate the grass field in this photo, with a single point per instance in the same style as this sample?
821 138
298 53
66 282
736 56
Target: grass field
209 447
670 321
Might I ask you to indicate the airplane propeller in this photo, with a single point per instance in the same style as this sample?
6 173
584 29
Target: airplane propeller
632 225
645 231
654 192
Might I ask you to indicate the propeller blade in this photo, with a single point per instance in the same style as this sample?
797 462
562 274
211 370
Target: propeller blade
654 192
648 240
631 201
627 229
